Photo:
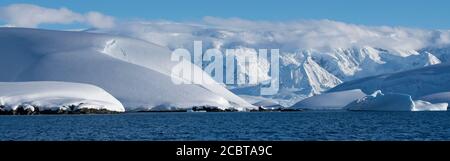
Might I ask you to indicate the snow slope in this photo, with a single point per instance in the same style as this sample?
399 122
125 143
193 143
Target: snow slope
136 72
56 96
332 100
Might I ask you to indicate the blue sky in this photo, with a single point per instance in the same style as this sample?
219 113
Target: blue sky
430 14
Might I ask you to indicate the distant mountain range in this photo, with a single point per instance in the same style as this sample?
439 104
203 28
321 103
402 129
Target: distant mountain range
315 55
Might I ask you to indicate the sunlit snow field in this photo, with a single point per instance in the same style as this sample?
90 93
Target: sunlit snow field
309 125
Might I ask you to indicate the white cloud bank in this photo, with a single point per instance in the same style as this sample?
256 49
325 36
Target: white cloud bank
289 36
28 15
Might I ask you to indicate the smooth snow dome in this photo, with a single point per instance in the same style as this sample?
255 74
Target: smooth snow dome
136 72
382 102
332 100
56 95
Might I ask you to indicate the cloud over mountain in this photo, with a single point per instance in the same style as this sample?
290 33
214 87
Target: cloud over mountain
28 15
321 35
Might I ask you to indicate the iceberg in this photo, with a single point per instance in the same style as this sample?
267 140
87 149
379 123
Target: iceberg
382 102
55 96
393 102
421 105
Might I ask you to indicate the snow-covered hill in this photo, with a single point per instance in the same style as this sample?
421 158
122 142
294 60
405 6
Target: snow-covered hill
55 96
136 72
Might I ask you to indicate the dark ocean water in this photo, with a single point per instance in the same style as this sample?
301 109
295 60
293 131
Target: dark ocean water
309 125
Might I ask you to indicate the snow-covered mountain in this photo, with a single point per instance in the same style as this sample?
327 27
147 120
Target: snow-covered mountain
137 73
422 89
315 55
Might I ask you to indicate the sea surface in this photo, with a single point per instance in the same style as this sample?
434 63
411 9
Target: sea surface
308 125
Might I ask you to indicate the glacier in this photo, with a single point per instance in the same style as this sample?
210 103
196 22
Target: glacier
55 96
135 72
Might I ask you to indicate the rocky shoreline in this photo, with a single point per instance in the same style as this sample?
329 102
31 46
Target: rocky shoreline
216 109
25 110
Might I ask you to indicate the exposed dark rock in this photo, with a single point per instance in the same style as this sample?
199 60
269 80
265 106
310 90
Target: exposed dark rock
262 109
71 110
211 109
